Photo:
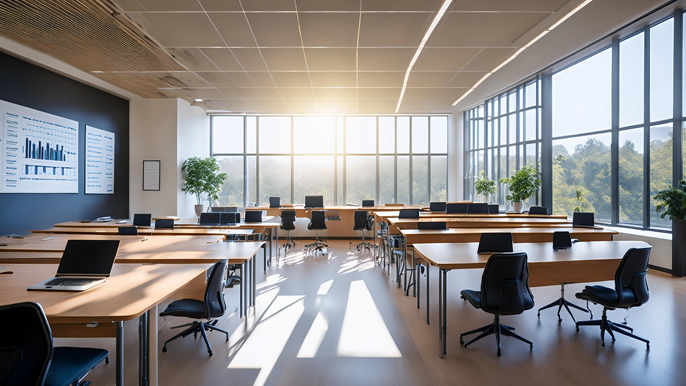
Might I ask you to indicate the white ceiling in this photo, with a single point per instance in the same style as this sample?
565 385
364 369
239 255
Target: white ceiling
332 56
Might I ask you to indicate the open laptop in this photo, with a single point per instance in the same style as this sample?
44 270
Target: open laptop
84 264
583 220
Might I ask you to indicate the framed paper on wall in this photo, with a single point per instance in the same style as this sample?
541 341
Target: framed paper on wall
151 175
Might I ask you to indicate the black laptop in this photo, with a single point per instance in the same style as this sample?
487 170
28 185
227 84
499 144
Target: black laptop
583 220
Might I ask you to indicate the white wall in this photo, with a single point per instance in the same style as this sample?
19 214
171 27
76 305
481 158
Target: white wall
455 157
193 140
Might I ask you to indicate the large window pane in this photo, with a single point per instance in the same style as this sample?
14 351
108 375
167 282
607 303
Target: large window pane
231 193
252 180
227 135
251 135
420 134
275 178
661 167
313 176
581 175
631 80
386 135
530 94
340 180
360 178
403 134
403 180
503 131
661 70
314 135
420 180
512 129
582 96
360 135
275 135
386 180
530 118
439 135
631 177
439 178
340 135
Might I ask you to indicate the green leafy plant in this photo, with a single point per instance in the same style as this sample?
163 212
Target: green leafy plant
523 184
672 202
202 178
484 186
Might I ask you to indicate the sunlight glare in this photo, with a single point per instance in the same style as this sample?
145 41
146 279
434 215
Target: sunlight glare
324 288
314 337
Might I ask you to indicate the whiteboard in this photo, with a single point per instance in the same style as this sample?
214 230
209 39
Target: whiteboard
38 151
99 161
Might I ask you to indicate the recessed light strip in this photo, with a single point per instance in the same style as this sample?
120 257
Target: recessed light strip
427 35
521 49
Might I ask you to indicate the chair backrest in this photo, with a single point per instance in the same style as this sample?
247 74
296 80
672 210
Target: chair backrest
408 213
361 220
24 333
127 231
562 240
288 220
495 242
479 208
274 202
226 218
164 223
538 210
215 305
505 284
631 281
210 218
318 220
437 207
456 208
217 209
366 203
224 209
493 208
142 219
440 225
253 216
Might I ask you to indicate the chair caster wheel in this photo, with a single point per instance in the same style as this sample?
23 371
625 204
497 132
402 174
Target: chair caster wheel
577 328
539 315
210 352
499 353
559 321
164 349
107 360
603 344
462 297
461 342
531 347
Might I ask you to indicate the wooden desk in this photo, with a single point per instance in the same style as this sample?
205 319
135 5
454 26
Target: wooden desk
465 222
97 224
519 235
148 231
133 291
129 244
384 215
583 263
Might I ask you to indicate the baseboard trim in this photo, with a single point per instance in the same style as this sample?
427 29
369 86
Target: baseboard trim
661 269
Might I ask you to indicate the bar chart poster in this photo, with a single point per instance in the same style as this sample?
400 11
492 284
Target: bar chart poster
38 151
99 161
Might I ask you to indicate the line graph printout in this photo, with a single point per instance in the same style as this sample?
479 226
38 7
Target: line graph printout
38 151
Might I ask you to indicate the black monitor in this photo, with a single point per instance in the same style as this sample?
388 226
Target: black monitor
495 243
88 257
210 218
478 208
581 219
227 218
437 207
562 240
408 213
367 203
538 210
493 208
435 225
274 202
314 201
164 223
253 216
456 208
142 219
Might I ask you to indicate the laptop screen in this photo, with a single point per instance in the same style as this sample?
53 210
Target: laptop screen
583 219
88 257
314 201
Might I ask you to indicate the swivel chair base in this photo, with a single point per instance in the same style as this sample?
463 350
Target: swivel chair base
288 245
497 329
610 326
194 328
317 246
562 302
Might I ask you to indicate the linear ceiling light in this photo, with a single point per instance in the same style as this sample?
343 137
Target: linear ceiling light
427 35
520 50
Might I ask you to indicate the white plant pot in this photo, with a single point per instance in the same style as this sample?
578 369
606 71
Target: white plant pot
198 210
518 207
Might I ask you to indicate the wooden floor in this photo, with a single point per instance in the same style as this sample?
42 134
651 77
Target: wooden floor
338 319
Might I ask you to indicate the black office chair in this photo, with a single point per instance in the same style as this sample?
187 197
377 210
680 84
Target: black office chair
504 291
477 208
27 355
274 202
363 224
224 209
317 223
210 218
631 290
493 208
217 209
456 208
367 203
253 216
142 219
437 225
408 213
538 210
437 207
164 223
287 224
127 231
212 306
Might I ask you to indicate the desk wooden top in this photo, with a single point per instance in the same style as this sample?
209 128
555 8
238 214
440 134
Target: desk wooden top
341 208
508 230
387 214
484 222
192 223
519 235
129 244
127 294
200 231
97 224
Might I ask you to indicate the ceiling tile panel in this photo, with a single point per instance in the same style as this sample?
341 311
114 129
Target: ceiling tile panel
393 29
330 59
130 5
223 58
401 5
193 59
425 106
220 5
329 29
284 59
333 79
509 5
428 93
335 93
234 28
185 29
385 59
258 93
261 79
488 59
302 106
297 93
242 79
328 5
483 29
268 5
429 79
465 79
218 79
291 79
336 106
169 5
381 79
379 93
250 59
376 106
445 59
275 29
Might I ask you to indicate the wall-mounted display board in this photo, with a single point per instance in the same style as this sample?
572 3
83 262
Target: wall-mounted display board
151 175
38 151
99 161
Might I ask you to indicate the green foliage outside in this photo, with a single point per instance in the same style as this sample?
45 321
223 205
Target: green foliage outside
202 178
672 202
524 184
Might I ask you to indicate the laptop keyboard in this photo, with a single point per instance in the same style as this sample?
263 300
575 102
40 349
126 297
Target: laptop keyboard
70 282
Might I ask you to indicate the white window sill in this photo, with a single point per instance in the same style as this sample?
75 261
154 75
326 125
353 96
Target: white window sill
641 232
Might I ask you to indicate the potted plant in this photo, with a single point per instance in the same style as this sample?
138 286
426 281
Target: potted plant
202 178
484 187
523 185
672 202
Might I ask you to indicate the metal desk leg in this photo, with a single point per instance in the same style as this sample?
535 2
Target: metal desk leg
417 287
414 274
428 304
264 249
405 262
444 312
440 301
241 288
143 350
120 354
254 268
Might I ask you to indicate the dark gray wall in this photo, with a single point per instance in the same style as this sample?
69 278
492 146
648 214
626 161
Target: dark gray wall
35 87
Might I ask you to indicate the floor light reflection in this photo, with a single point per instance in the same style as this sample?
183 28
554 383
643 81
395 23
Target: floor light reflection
324 288
314 337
